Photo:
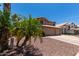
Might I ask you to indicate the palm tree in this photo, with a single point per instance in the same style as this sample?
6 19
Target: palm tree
29 28
4 31
4 26
33 30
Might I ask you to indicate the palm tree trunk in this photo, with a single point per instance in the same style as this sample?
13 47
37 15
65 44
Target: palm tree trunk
25 41
17 44
4 29
7 7
4 39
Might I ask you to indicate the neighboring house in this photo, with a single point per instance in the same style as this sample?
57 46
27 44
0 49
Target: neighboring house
49 27
69 28
76 30
73 29
72 25
64 27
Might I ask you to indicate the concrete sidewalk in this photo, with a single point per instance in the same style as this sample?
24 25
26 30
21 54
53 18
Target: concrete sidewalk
67 38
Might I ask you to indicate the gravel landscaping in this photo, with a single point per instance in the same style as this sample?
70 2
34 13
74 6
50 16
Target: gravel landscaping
49 47
53 47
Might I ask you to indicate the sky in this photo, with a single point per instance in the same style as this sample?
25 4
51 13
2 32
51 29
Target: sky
58 12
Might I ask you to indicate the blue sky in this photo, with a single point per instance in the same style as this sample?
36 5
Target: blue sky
59 13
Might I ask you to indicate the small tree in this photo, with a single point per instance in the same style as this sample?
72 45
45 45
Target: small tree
33 30
27 28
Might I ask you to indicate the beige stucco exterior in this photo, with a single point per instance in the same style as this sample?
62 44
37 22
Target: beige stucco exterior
51 30
49 27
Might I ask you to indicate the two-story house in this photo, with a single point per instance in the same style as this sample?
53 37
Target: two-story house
49 27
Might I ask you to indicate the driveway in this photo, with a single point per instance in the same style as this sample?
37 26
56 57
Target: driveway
67 38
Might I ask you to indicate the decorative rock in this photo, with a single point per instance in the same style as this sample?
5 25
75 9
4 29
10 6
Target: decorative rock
21 51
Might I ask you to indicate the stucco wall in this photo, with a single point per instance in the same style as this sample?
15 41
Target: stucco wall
51 31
